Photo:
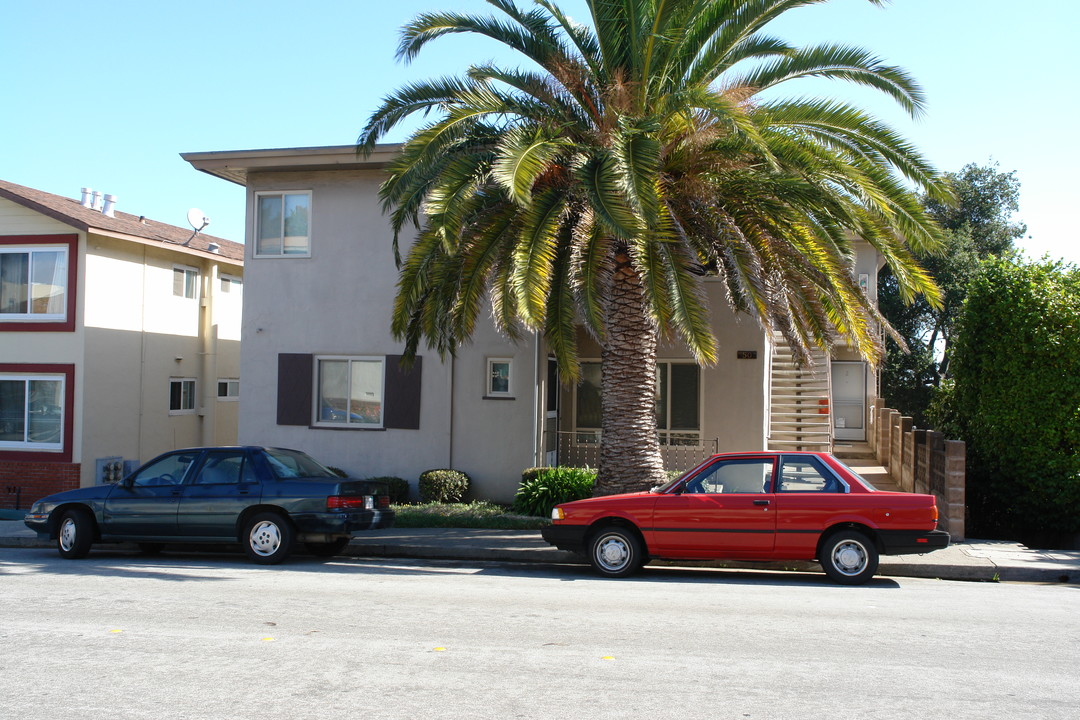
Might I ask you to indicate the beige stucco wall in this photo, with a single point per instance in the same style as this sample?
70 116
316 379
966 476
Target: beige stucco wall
338 302
138 335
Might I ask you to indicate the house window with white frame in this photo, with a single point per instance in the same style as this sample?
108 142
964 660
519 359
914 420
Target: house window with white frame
181 396
349 392
33 283
185 282
32 412
230 283
678 403
282 224
499 374
228 389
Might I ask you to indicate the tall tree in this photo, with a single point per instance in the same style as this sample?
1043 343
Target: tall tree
978 225
629 159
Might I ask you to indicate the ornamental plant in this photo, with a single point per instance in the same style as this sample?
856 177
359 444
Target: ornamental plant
542 489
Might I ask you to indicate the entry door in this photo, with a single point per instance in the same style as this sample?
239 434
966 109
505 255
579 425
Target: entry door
849 400
147 502
551 415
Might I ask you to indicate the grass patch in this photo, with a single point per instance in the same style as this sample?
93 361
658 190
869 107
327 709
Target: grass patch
483 515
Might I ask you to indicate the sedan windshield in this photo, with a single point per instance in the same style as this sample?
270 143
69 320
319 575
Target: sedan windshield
293 464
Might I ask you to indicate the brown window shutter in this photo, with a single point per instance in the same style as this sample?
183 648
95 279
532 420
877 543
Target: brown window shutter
402 406
294 389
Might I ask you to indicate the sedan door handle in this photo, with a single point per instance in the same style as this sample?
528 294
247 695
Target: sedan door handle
761 502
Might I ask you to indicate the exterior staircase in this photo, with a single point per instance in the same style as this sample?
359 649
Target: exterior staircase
799 411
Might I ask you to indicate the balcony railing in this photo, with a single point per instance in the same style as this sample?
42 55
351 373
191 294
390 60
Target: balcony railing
680 450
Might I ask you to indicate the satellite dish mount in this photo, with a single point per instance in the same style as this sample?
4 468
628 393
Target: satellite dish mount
197 220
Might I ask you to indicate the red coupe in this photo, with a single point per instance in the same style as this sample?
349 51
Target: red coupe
753 506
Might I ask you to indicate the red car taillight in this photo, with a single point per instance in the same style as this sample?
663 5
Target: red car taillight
350 502
384 501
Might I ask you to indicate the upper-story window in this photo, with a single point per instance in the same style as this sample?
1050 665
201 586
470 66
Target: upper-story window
230 283
33 282
282 224
185 281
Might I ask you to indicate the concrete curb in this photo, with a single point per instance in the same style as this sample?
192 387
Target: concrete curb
971 561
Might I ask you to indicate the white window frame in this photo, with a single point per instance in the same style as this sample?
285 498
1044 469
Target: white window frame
255 224
316 415
188 271
229 396
30 251
27 378
194 396
489 388
592 435
227 281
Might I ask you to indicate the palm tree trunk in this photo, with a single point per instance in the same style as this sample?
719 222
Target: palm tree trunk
629 446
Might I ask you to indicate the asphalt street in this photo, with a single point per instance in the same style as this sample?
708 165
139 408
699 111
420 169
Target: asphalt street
207 635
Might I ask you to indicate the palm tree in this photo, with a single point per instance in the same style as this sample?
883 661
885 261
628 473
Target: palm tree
600 184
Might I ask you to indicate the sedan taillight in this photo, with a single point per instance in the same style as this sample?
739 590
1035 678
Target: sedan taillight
384 501
350 502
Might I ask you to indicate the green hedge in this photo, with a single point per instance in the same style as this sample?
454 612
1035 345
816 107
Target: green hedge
443 486
542 489
1016 400
399 488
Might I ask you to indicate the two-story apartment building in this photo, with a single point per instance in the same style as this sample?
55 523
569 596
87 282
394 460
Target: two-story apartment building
119 339
320 286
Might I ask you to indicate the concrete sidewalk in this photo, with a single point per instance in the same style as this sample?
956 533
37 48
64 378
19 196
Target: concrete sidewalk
979 560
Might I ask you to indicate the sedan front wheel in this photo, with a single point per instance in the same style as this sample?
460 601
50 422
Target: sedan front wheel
268 538
616 551
75 534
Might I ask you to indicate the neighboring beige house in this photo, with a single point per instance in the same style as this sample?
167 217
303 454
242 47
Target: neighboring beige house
119 339
320 286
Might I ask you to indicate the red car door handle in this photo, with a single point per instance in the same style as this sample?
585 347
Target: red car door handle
761 502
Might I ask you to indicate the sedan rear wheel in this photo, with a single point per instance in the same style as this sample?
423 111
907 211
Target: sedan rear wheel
75 534
616 551
849 557
268 538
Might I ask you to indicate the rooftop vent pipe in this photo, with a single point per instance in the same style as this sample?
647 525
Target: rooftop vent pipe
110 206
96 205
85 202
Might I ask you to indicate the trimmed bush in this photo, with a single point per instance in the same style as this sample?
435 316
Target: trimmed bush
542 489
443 486
399 488
1016 400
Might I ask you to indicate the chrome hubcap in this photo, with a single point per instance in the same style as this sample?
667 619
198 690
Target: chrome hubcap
265 538
849 557
67 534
612 553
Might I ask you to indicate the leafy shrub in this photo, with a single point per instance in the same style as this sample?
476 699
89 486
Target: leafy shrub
399 488
542 489
1016 400
337 471
443 486
463 515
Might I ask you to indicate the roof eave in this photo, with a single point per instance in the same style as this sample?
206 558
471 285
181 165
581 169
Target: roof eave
236 165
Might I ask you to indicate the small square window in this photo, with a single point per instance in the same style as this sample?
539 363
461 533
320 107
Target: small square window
282 224
230 284
499 376
350 392
181 396
228 389
185 281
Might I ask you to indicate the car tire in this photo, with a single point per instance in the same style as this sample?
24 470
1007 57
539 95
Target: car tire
616 551
327 549
151 548
75 534
849 557
268 538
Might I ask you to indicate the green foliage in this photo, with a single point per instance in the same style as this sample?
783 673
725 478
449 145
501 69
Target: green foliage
443 486
463 515
977 226
1016 399
632 156
399 488
542 489
337 471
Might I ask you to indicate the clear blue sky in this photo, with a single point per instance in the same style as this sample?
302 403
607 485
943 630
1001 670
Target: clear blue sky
106 95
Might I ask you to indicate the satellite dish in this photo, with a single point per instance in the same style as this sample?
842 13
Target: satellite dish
196 219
